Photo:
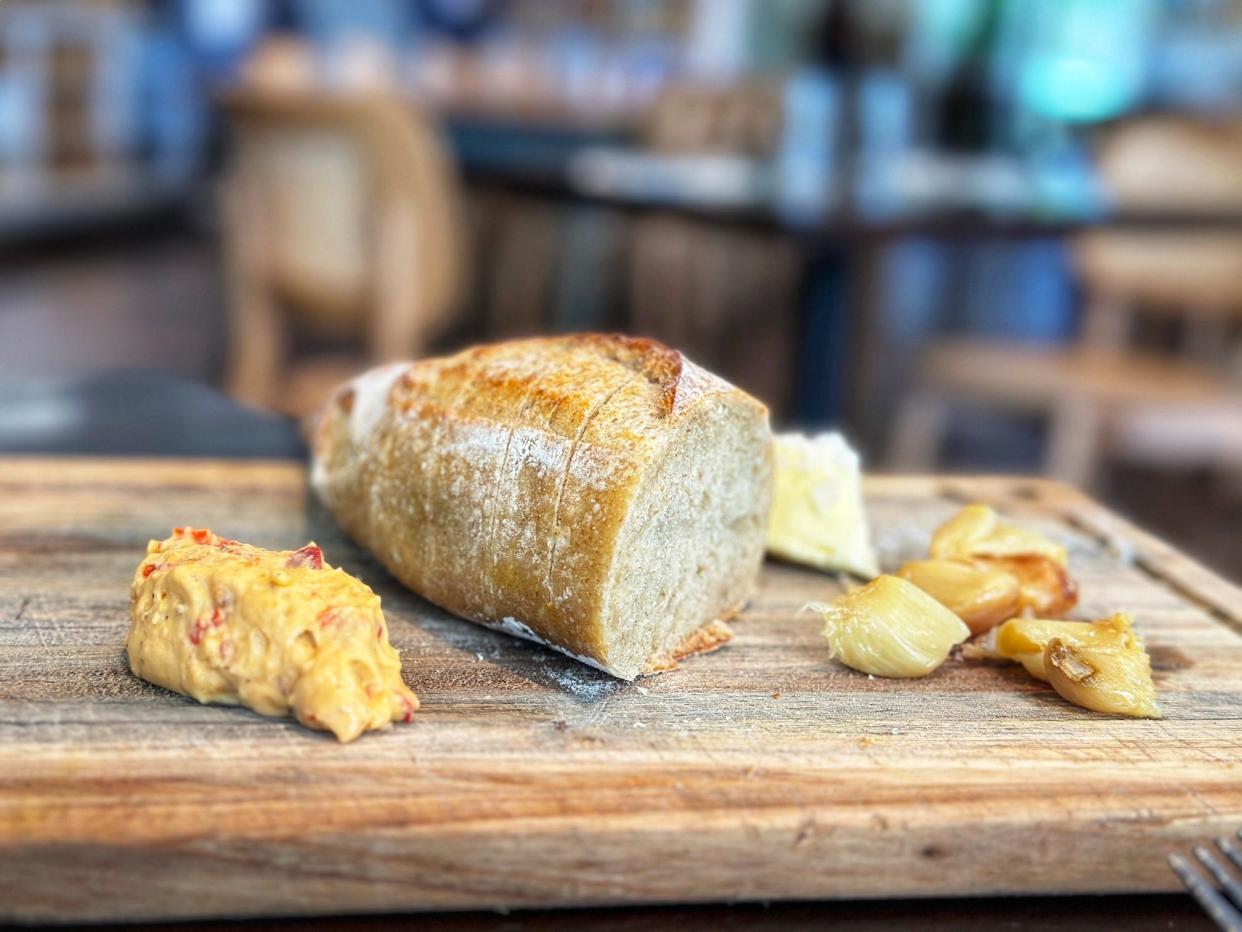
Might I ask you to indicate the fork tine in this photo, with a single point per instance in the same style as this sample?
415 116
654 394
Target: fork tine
1215 905
1224 879
1229 851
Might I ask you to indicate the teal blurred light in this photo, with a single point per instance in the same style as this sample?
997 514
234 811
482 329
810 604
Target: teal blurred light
1079 61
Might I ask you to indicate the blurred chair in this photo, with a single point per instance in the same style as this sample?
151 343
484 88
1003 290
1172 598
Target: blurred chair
345 233
1106 396
281 64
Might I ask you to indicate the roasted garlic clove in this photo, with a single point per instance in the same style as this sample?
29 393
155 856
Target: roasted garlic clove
977 531
1100 665
980 595
1045 589
890 627
977 534
1026 639
1103 679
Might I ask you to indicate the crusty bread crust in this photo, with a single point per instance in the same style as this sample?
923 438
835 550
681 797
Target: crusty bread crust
497 482
711 637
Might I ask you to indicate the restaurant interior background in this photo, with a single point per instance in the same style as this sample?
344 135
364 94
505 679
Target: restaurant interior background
976 235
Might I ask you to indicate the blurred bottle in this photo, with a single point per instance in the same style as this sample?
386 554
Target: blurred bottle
174 108
281 63
577 57
329 21
219 33
966 123
358 62
22 90
885 140
805 160
648 52
719 39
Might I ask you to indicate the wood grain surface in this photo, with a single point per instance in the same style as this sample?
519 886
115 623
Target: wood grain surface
764 771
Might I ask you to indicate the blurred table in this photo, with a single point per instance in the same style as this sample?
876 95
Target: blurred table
942 198
604 170
841 235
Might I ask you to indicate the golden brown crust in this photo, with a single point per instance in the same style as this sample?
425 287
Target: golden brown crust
661 366
496 482
711 637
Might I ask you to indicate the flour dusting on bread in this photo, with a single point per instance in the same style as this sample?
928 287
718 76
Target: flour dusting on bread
604 490
371 399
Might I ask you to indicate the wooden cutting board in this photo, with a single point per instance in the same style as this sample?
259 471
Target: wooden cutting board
761 772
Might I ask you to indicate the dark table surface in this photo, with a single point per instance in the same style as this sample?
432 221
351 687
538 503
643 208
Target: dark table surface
1137 913
138 414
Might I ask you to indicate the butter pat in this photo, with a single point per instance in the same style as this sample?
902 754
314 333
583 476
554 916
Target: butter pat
817 515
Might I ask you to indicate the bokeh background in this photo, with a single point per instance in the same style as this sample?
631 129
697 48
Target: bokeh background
976 235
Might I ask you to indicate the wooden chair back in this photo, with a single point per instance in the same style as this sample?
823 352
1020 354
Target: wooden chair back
1192 277
344 220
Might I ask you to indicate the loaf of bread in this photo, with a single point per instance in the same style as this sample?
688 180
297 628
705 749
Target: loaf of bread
600 494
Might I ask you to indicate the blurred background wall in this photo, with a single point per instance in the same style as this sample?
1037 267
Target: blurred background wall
981 235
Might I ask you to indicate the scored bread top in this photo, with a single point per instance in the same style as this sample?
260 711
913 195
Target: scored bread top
562 385
494 482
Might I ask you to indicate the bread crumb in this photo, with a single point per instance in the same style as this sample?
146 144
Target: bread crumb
776 694
864 741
